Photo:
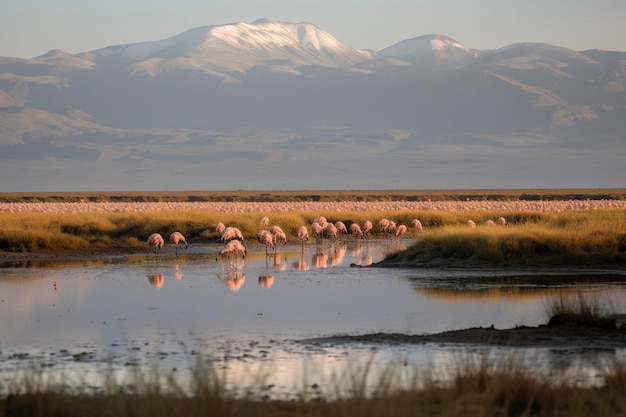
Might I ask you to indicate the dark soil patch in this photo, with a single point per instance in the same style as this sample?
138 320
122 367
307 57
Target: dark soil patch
560 332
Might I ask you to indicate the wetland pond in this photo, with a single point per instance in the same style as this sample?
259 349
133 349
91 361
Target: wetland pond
264 320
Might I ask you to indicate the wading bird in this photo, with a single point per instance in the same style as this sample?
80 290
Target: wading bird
233 250
176 238
231 233
155 241
303 234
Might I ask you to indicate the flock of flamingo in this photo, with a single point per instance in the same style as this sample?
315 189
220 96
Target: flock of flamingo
329 206
321 229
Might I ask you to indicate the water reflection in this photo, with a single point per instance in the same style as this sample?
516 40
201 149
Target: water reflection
514 287
279 264
266 281
178 275
156 279
98 300
234 280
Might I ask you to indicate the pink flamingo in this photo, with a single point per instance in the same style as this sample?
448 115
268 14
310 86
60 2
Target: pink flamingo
341 227
231 233
278 235
355 230
367 227
233 250
266 238
417 225
155 241
177 237
303 234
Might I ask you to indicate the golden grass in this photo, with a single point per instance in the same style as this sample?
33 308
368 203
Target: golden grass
576 237
568 238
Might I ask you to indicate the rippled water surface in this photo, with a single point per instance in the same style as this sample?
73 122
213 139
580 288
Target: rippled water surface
255 315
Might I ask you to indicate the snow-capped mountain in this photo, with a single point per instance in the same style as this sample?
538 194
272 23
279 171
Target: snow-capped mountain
240 46
285 102
431 51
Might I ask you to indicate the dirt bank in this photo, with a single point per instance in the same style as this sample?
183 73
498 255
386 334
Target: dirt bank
559 333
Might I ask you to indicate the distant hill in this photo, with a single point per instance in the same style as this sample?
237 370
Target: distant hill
286 105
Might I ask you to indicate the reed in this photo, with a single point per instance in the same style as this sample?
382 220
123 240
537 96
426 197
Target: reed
488 385
579 307
573 238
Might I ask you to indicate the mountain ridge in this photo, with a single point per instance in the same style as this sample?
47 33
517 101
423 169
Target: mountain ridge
264 93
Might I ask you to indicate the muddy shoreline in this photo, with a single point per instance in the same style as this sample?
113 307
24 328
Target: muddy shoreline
565 336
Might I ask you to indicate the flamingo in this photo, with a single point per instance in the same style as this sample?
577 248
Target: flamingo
303 234
220 228
266 238
233 250
265 221
317 229
341 227
367 226
331 231
155 241
401 230
231 233
355 230
391 227
278 234
417 225
177 237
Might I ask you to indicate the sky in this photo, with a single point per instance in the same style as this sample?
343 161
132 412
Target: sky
29 28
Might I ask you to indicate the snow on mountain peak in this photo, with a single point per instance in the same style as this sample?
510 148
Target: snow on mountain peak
256 42
430 49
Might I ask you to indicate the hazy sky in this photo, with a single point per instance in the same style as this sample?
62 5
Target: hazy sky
29 28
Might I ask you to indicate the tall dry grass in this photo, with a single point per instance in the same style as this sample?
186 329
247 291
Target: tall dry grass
571 238
576 237
491 385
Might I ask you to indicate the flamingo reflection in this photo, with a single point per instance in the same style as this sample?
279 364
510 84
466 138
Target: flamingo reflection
366 260
339 253
300 264
320 260
234 280
357 250
279 263
178 275
156 279
266 281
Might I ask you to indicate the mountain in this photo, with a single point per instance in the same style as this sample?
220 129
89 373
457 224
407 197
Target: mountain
290 106
431 51
239 47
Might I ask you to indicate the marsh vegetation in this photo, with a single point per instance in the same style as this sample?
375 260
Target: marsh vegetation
582 236
574 233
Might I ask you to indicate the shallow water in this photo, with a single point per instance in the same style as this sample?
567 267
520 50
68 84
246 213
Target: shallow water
254 316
